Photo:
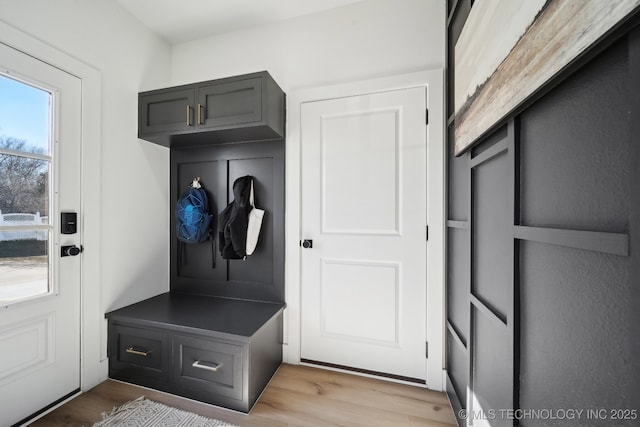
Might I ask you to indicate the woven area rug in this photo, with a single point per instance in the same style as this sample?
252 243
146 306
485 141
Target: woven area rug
147 413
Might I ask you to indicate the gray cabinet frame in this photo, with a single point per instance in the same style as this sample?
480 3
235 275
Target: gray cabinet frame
249 107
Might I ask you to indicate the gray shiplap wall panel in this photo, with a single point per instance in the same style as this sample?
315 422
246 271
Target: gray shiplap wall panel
492 368
575 148
458 188
576 319
458 281
457 367
492 234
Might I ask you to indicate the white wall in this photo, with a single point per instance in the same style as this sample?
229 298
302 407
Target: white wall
134 188
364 40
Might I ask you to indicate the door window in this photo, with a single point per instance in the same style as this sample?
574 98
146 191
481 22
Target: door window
25 190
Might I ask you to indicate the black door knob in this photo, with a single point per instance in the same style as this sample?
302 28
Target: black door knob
71 250
307 243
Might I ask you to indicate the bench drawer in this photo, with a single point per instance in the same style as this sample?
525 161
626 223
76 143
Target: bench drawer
139 354
205 367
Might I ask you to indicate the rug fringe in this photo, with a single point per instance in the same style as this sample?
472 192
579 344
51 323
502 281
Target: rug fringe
123 407
145 412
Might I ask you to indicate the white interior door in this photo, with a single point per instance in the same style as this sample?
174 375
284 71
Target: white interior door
363 281
40 140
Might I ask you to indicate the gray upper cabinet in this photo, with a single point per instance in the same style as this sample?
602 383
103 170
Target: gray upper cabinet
243 108
229 104
166 111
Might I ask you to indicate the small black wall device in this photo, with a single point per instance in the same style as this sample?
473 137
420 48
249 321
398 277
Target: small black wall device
68 222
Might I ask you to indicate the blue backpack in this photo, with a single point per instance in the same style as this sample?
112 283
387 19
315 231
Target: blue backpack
193 220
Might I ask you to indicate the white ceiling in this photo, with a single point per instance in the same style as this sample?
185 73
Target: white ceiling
182 20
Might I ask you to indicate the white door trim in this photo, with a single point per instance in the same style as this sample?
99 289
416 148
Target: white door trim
93 366
433 79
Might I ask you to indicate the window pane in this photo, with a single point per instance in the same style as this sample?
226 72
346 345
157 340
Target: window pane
24 269
24 117
24 191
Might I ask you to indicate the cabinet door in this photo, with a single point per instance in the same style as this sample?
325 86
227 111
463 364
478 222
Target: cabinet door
167 111
230 104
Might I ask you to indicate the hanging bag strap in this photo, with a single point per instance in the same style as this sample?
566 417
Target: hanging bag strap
212 237
251 201
254 223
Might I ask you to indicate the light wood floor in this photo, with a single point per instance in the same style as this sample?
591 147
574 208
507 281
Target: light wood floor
296 396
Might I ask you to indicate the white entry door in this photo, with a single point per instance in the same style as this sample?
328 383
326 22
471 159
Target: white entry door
363 281
40 140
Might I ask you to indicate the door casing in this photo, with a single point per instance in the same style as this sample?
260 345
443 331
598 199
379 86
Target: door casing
433 81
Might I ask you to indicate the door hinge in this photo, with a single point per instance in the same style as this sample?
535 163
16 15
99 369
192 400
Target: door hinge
426 116
427 233
426 349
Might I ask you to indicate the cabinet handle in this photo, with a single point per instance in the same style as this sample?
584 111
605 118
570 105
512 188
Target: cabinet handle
200 114
200 365
138 352
189 115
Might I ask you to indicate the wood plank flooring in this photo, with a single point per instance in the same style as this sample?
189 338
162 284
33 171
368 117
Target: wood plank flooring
296 396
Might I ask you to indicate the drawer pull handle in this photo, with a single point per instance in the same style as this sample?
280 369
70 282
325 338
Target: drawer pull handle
200 114
200 365
189 115
138 352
